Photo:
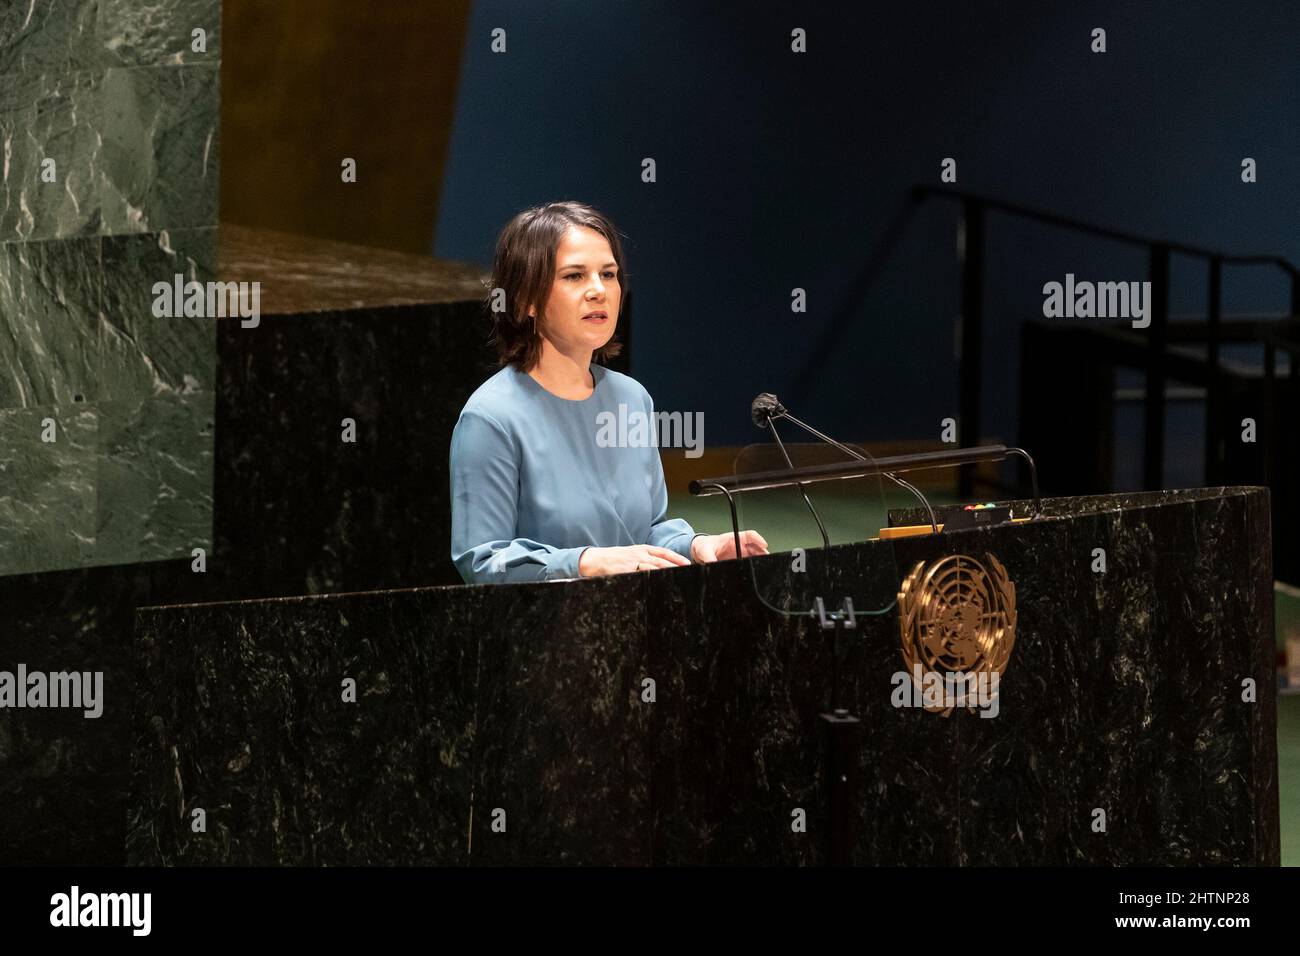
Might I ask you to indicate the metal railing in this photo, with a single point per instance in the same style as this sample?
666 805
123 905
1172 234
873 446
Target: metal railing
1157 361
1283 335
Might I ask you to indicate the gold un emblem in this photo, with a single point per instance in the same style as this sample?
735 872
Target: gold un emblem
957 616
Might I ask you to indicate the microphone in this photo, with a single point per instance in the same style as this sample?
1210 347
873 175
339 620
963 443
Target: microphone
767 406
762 410
764 407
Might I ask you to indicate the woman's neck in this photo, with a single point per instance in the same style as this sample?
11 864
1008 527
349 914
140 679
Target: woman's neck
564 374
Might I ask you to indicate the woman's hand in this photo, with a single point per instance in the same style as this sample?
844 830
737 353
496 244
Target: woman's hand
633 557
721 547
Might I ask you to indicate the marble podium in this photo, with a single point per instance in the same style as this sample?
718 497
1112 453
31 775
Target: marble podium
509 724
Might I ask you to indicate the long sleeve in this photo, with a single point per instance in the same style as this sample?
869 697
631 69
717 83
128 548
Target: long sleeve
484 503
675 534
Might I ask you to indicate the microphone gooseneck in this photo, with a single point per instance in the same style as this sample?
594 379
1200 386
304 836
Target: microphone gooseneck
767 406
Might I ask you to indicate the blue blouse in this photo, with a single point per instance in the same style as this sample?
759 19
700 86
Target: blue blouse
532 485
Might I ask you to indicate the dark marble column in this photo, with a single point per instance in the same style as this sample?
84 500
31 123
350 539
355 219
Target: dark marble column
109 128
391 340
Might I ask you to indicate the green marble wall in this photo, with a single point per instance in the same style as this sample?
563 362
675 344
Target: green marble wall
115 94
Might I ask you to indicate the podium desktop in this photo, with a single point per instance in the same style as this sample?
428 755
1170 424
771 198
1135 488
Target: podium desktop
677 716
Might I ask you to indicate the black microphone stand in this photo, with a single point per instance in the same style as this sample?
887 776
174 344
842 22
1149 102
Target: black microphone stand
780 412
768 416
841 729
841 732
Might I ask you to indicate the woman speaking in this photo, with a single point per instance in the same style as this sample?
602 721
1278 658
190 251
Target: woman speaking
534 496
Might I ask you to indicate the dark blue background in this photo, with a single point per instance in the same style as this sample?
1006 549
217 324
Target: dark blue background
778 170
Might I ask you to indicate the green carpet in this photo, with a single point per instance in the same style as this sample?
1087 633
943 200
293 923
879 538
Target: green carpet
1288 776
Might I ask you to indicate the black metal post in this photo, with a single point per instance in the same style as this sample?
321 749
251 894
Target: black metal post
842 730
1214 447
842 734
1286 503
1153 453
972 334
1266 430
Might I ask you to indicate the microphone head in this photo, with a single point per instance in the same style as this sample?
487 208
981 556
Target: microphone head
762 408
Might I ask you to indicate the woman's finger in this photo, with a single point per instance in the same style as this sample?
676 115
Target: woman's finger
646 558
667 555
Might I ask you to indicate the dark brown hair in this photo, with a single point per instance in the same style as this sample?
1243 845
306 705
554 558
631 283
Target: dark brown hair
524 267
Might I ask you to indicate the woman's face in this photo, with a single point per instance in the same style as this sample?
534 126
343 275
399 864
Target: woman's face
582 310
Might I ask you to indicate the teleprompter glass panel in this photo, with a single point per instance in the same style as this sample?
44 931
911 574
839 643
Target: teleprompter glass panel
823 532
